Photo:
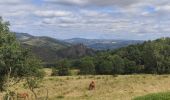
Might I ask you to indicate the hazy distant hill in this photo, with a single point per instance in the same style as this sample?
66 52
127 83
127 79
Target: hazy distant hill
43 47
76 51
25 38
102 44
50 50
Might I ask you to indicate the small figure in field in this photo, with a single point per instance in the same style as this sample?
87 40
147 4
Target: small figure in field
22 96
92 85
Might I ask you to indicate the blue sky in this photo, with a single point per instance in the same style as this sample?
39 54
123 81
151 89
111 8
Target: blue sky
99 19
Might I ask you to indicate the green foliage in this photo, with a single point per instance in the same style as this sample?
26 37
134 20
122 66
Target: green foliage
155 96
2 83
87 66
12 56
63 67
54 72
33 74
33 67
32 83
104 67
108 64
118 65
132 53
76 63
156 57
151 57
16 63
60 97
130 66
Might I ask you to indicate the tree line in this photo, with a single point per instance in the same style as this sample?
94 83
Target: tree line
151 57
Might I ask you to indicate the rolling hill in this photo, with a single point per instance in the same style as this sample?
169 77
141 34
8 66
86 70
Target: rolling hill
49 50
76 51
103 44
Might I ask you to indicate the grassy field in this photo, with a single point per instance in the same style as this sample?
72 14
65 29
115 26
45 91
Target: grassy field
122 87
155 96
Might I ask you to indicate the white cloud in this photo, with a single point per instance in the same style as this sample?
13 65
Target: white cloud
11 2
52 13
68 2
163 8
121 18
92 13
94 2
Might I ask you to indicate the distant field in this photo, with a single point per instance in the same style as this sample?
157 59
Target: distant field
122 87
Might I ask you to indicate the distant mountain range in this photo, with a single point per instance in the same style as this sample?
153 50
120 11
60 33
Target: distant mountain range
103 44
50 50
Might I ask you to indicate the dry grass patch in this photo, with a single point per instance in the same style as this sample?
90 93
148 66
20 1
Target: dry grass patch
122 87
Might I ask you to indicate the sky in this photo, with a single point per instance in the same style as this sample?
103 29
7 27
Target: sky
92 19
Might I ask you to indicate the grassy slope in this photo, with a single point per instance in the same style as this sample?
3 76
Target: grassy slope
155 96
107 87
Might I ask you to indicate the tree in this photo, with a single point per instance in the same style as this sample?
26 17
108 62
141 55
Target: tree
15 61
63 67
103 64
166 65
87 66
104 67
166 53
152 58
110 64
75 63
118 65
130 67
34 75
12 57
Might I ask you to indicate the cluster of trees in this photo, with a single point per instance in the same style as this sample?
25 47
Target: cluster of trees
151 57
62 69
156 56
16 63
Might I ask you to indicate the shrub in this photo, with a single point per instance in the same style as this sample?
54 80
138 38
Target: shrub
63 67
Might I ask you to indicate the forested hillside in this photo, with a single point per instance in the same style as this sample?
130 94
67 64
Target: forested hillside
50 50
150 57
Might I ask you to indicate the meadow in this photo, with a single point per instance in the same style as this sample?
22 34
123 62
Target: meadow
155 96
108 87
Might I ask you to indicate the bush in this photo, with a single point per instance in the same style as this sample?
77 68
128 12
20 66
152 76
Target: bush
63 71
63 67
54 72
